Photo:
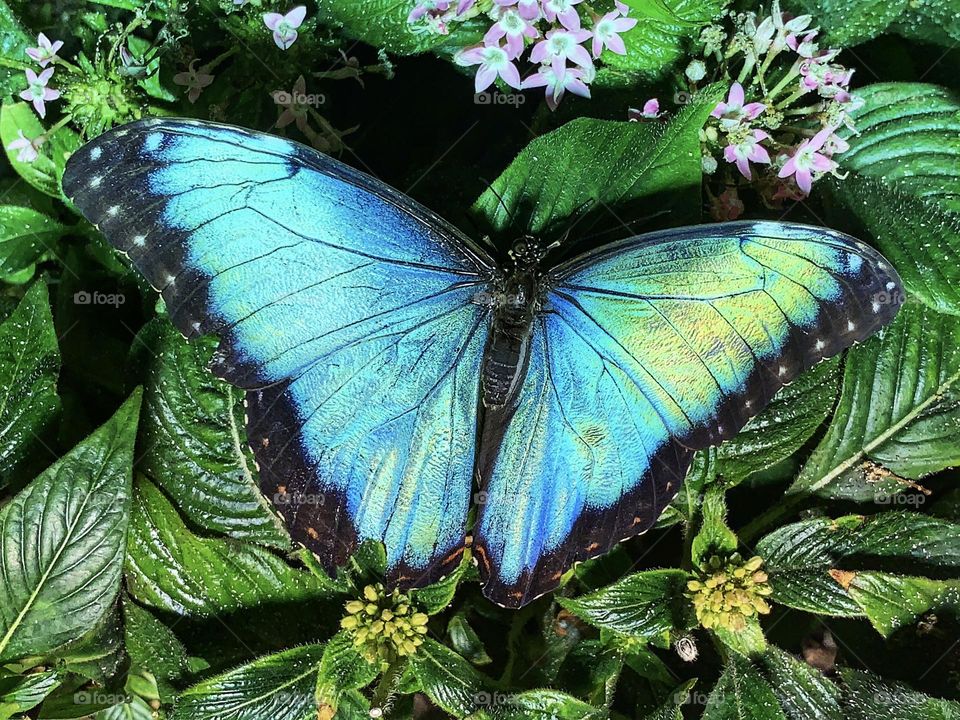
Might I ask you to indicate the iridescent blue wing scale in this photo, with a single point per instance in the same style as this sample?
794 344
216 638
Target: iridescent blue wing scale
344 309
646 351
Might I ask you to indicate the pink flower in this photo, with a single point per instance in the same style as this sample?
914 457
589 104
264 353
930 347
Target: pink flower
773 31
806 160
528 9
193 79
733 110
819 74
493 61
285 26
557 81
748 151
606 31
515 28
45 52
563 10
806 47
37 90
727 206
561 45
651 111
27 148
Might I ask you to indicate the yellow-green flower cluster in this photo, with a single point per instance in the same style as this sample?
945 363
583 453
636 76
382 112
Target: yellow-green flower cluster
729 592
384 626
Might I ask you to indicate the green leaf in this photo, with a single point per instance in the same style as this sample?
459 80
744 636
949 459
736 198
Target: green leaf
383 24
45 172
542 704
644 604
279 687
662 35
603 163
903 188
63 538
29 366
194 441
153 647
803 693
742 693
714 536
170 568
342 668
449 680
13 57
25 235
855 566
465 641
19 693
898 413
851 23
435 598
746 642
791 419
670 709
867 697
133 709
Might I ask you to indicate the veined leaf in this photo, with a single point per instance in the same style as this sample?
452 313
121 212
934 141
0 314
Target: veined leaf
742 693
194 442
803 693
714 536
644 604
13 57
540 704
153 647
342 668
170 568
866 697
29 366
783 427
873 567
903 188
663 34
603 165
25 235
449 680
19 693
898 414
45 172
851 23
279 687
62 540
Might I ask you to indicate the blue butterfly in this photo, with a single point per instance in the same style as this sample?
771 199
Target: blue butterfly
390 363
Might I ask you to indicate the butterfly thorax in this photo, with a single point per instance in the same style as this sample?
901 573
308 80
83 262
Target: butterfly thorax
515 303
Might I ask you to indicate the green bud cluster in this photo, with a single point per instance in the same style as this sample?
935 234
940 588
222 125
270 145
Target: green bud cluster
384 625
729 592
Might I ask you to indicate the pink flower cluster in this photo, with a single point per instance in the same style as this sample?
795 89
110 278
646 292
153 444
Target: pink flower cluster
38 94
781 113
562 50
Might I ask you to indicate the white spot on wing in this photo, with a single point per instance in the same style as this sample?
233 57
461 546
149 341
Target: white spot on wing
113 210
850 326
96 153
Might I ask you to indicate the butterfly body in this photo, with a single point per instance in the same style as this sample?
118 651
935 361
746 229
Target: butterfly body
388 362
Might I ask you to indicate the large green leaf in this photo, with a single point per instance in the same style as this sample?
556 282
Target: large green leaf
898 414
541 704
783 427
867 697
171 568
279 687
29 365
193 441
606 166
803 693
903 188
45 172
62 540
19 693
25 235
383 24
663 34
644 604
873 567
849 23
449 680
742 693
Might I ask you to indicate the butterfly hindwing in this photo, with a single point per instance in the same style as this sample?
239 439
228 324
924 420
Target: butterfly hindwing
646 351
345 309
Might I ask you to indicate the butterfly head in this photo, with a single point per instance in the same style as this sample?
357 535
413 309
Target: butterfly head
528 252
